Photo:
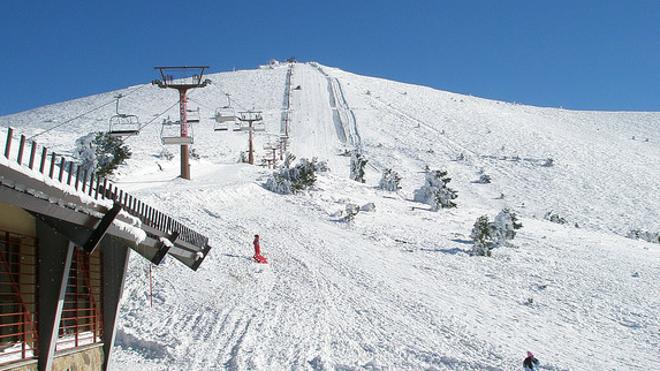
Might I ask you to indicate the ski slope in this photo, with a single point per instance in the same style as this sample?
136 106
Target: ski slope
395 289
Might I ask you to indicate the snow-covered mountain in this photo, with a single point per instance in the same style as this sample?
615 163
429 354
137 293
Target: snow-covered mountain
395 288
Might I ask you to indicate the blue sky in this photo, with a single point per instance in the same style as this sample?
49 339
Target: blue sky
575 54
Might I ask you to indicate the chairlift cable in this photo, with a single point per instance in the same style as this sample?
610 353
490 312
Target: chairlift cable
233 99
87 112
152 120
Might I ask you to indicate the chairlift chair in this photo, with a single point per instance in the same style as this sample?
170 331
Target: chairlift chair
238 126
259 126
122 124
224 117
170 132
193 116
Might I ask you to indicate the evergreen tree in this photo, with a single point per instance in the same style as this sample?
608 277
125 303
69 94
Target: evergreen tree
291 179
390 180
101 153
358 162
505 225
484 179
350 212
435 191
483 237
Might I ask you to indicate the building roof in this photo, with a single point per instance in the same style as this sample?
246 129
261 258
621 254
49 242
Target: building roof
52 186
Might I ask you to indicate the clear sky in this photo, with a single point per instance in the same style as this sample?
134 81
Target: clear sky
590 54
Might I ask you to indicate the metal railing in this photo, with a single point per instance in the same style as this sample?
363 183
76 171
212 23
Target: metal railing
82 320
18 291
69 173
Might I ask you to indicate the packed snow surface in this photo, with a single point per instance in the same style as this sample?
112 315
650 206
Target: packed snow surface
394 289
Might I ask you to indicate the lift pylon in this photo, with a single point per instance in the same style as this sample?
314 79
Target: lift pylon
182 78
250 117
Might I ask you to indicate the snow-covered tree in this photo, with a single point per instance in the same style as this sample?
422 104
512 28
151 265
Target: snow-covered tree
484 179
193 154
554 217
483 237
101 153
350 212
165 154
435 192
358 162
647 236
505 225
390 180
488 235
291 179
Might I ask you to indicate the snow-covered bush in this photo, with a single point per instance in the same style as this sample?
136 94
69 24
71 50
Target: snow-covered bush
390 180
165 154
320 166
505 226
358 162
554 217
368 207
483 237
488 235
434 191
484 179
101 153
350 212
193 154
639 234
287 179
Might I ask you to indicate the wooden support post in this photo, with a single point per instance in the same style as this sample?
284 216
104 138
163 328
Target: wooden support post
55 255
42 165
10 135
114 257
33 153
21 148
62 165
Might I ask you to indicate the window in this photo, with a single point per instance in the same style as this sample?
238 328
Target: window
18 327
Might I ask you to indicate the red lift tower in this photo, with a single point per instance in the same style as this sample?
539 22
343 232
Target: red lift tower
183 78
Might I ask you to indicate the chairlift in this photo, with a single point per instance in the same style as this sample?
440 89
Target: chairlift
122 124
170 132
238 126
224 117
259 126
193 116
256 118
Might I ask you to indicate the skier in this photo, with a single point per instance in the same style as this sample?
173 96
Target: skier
257 251
257 248
530 363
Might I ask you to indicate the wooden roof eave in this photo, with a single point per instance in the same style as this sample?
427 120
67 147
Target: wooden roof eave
34 196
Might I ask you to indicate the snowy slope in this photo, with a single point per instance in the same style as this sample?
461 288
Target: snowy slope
395 289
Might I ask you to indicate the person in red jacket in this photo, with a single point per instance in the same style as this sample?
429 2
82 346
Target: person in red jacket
257 251
257 248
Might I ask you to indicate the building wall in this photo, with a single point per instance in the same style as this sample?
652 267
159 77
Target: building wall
17 220
23 366
86 359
